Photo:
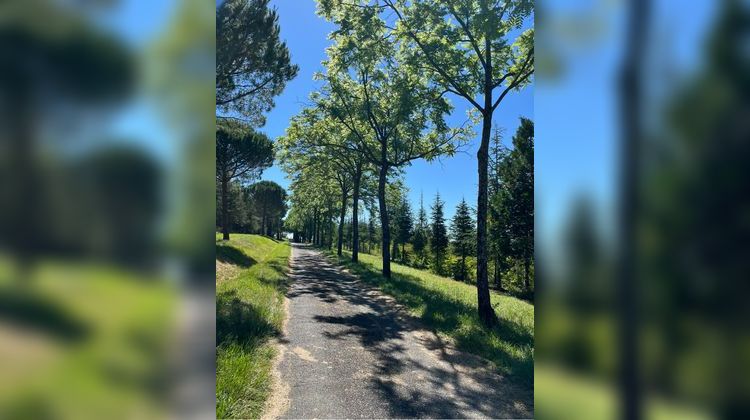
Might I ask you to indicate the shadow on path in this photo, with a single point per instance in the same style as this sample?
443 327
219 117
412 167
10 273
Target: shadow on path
415 373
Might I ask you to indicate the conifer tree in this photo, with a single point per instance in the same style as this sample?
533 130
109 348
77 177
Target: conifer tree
463 237
421 235
439 239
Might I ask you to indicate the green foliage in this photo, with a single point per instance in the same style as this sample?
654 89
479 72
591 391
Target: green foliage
512 208
268 201
251 281
241 152
253 65
421 236
438 237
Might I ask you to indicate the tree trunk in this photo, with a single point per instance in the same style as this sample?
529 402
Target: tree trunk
386 240
344 199
486 313
224 208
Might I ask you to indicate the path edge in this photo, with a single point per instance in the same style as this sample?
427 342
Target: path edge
277 402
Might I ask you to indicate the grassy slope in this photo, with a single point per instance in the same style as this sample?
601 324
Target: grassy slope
83 340
251 279
450 308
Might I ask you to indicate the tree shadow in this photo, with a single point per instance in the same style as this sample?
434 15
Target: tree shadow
29 310
231 255
240 322
445 384
446 315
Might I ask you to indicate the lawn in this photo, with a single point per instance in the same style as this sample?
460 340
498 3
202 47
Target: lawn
450 308
563 394
84 340
250 284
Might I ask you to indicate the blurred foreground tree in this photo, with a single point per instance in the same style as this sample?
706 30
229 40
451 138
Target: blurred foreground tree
65 63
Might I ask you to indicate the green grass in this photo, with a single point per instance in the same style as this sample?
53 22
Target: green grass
450 308
562 394
251 280
84 340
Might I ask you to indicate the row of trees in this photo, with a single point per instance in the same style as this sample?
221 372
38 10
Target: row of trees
426 239
384 101
256 208
253 66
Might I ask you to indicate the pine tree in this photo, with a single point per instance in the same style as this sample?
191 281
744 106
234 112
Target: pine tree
463 237
404 225
439 239
499 243
421 235
521 186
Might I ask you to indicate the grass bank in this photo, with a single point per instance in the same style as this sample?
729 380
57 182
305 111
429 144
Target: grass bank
250 283
450 308
84 340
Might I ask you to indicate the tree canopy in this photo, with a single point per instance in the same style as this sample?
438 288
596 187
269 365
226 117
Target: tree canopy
253 64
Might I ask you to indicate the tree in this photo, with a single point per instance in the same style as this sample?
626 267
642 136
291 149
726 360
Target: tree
396 116
313 136
241 153
498 218
268 206
520 183
404 225
463 235
421 235
252 63
66 63
439 236
464 45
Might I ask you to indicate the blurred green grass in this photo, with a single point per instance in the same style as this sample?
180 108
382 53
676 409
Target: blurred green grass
250 284
450 308
115 360
562 394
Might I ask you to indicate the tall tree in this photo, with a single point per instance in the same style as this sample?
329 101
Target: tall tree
466 47
314 136
439 236
520 183
252 63
463 235
497 222
404 225
421 234
241 153
395 115
66 63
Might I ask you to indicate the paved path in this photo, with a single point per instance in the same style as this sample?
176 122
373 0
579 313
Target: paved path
350 352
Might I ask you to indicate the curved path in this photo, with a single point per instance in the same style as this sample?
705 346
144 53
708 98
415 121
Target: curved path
351 352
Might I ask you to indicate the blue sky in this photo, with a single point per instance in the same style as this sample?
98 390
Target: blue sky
574 114
455 178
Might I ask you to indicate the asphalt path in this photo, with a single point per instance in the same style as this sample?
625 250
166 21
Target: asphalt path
348 351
